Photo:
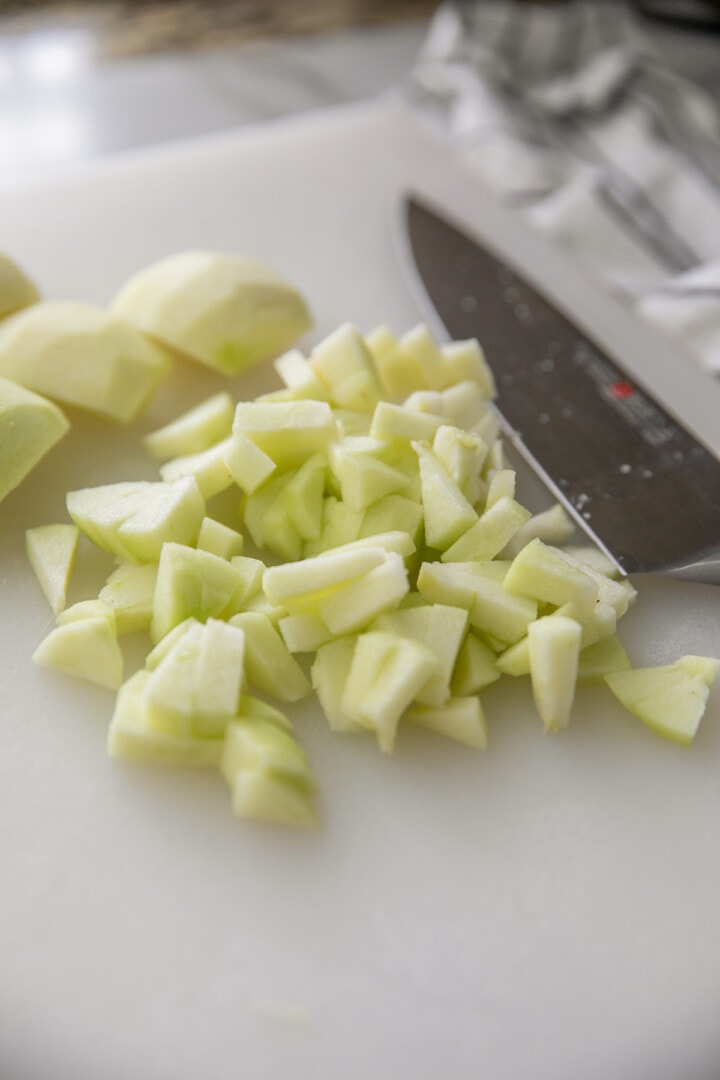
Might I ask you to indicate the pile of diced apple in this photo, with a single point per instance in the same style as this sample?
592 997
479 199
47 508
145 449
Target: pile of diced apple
378 557
221 310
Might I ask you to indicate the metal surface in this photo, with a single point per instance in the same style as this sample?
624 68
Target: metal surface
633 477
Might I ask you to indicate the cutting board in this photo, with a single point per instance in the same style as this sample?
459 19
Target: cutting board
545 909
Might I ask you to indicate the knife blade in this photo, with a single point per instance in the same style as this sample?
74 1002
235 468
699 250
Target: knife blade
642 487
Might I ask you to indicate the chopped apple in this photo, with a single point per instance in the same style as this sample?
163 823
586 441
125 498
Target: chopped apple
223 310
269 774
192 583
134 519
442 628
86 648
208 467
51 550
195 430
195 689
344 364
269 665
288 432
475 667
329 674
489 534
29 427
460 718
600 659
131 737
448 514
386 674
553 649
670 698
219 539
354 605
81 355
130 591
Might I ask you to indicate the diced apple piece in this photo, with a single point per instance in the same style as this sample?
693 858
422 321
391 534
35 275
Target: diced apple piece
226 311
16 289
166 643
329 674
501 486
442 628
88 609
209 469
421 345
132 738
134 520
262 796
129 591
304 632
302 584
344 364
460 718
393 514
399 371
87 648
195 688
340 526
363 476
670 698
252 708
396 422
600 659
463 454
269 666
219 539
448 514
191 583
288 432
303 497
458 583
279 534
299 378
475 668
354 605
552 526
81 355
554 648
29 427
249 466
195 430
515 659
269 774
51 551
592 556
489 534
466 360
542 573
500 613
386 674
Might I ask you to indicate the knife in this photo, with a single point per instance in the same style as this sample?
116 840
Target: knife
642 487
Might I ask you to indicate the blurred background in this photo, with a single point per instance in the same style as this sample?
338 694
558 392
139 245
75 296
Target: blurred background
82 79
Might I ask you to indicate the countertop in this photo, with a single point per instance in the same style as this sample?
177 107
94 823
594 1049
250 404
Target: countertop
78 80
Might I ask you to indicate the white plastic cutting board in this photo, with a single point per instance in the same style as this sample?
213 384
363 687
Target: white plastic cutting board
548 910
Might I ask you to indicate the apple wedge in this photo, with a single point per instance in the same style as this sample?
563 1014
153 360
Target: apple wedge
223 310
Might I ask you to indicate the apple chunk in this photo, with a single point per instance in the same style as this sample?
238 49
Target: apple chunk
29 427
223 310
670 698
81 355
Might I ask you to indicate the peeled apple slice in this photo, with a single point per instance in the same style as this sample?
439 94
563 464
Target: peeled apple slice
670 699
51 551
16 289
29 427
225 311
81 355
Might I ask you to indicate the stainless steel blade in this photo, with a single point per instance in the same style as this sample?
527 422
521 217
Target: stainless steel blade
633 477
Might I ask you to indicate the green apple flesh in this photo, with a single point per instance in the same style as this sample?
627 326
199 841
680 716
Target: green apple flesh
81 355
223 310
29 427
